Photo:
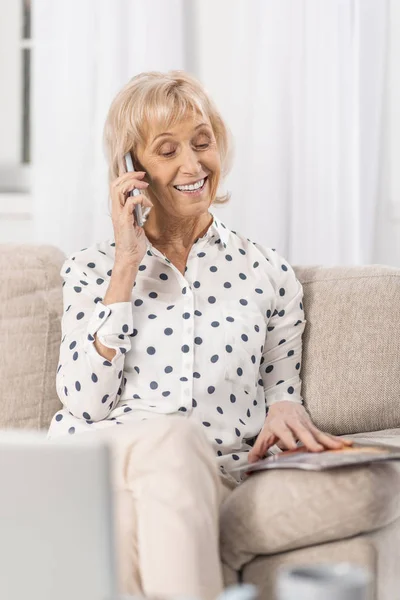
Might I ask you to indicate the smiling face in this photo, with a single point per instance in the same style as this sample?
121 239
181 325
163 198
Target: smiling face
185 154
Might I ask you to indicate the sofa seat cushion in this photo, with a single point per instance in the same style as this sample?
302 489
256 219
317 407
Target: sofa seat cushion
385 436
263 571
277 511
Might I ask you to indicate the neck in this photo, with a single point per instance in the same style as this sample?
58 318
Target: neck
177 235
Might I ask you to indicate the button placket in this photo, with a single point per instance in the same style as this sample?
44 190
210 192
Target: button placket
187 386
188 328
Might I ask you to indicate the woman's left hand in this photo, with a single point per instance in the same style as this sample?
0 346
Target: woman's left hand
287 422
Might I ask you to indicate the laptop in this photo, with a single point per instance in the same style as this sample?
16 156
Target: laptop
56 520
56 525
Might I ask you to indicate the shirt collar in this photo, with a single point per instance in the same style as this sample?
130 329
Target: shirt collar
217 230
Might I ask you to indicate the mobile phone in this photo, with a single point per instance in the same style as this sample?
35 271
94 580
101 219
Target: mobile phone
134 192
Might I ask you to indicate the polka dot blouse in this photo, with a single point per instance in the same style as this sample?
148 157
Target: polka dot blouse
219 344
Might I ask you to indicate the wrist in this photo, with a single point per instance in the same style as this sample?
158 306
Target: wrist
121 283
124 268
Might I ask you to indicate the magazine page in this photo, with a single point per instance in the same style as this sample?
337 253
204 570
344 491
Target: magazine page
359 453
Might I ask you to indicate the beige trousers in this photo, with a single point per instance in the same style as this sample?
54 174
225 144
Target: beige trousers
167 493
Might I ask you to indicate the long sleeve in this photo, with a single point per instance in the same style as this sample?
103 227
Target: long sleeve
88 385
281 357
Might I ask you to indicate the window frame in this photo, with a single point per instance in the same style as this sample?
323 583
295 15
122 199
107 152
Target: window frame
15 175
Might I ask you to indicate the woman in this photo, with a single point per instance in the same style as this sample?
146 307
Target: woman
181 318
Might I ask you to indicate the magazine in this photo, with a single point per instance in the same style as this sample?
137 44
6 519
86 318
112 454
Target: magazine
357 454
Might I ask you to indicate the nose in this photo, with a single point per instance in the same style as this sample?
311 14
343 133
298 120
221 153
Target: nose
190 164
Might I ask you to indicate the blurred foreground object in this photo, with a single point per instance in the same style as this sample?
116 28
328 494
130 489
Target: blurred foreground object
246 591
340 581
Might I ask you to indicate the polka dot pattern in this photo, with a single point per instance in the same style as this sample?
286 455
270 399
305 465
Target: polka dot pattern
217 344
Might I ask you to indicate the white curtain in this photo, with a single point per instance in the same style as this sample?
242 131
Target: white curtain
300 83
85 51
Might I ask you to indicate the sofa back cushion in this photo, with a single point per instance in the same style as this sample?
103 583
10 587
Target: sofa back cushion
30 326
351 347
351 343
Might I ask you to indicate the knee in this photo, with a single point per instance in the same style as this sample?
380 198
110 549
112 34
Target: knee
176 441
183 434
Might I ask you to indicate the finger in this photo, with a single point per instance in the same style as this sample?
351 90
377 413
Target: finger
257 452
123 197
140 199
119 200
343 441
347 442
282 446
283 433
126 177
263 442
255 456
132 201
130 174
306 436
126 209
128 186
328 440
120 183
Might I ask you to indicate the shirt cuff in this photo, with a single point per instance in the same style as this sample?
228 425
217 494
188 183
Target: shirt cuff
283 396
113 324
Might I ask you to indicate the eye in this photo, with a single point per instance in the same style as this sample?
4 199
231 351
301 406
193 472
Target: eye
168 153
202 146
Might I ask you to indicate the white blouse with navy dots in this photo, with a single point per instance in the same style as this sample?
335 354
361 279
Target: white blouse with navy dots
219 344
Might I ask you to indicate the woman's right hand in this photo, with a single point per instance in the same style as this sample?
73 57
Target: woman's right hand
130 241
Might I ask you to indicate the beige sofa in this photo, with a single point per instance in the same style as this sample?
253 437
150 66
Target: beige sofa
351 385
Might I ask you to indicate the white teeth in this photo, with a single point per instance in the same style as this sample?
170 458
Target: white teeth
193 186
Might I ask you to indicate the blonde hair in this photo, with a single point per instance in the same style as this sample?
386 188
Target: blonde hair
166 98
